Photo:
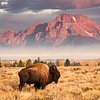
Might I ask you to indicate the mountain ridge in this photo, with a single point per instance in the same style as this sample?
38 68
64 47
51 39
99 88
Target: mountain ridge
64 29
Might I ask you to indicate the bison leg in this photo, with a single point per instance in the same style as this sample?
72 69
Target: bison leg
37 86
21 86
43 86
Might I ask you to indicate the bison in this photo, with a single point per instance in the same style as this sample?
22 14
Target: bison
38 74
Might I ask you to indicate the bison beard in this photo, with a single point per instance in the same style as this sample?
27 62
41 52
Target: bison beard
38 74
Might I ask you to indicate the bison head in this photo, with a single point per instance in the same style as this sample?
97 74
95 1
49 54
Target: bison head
55 74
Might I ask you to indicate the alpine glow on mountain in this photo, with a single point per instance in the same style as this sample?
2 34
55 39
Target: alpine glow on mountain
65 29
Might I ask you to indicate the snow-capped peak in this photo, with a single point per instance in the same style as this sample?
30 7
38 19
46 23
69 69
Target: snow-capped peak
74 19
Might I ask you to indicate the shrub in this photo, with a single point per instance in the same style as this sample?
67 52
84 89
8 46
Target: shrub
98 63
87 65
75 64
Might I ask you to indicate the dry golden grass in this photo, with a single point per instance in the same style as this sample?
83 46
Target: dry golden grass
76 83
89 62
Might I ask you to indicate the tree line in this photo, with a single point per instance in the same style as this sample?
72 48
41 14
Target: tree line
29 62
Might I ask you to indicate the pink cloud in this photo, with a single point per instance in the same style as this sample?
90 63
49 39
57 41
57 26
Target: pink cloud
86 4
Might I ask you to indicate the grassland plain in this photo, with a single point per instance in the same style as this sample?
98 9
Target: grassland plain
75 83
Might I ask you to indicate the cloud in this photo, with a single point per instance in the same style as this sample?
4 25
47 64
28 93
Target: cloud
15 6
23 20
26 12
4 3
49 11
86 3
3 11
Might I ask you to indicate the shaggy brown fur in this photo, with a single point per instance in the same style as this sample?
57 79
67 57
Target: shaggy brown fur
38 74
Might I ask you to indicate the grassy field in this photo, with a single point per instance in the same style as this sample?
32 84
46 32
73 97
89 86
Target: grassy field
75 83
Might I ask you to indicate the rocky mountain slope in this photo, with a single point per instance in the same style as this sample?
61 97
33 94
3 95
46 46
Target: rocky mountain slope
65 29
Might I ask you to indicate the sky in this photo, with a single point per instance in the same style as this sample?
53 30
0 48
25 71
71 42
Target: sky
70 52
21 14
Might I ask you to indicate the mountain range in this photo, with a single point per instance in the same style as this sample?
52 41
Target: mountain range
64 30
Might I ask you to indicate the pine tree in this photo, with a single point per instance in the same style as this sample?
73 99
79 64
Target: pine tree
57 63
38 59
67 62
50 63
0 64
28 63
15 64
20 63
